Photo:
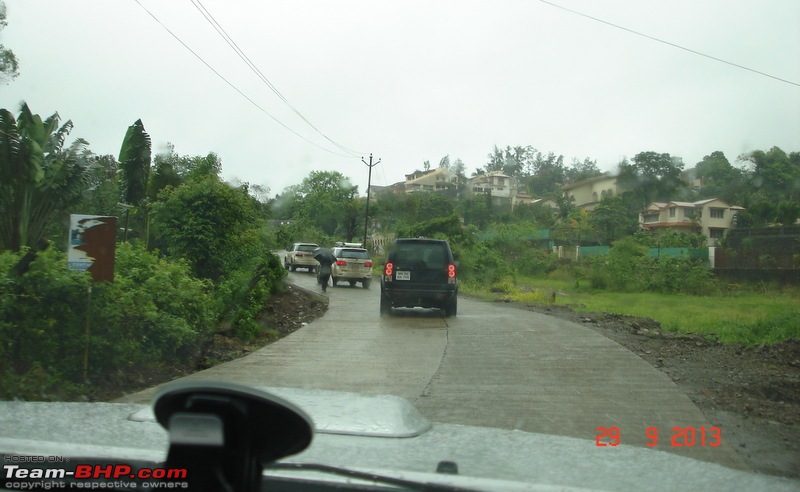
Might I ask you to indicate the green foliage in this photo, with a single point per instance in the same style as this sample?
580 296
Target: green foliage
443 227
776 174
211 224
9 66
651 177
611 220
720 179
536 262
300 231
628 268
669 239
479 262
787 212
774 328
39 179
242 294
324 199
153 313
134 160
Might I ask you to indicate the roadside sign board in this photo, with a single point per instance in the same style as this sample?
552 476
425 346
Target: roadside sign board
92 244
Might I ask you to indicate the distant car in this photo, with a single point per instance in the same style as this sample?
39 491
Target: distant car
352 265
301 255
420 273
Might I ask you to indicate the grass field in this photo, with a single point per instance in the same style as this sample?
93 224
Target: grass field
747 317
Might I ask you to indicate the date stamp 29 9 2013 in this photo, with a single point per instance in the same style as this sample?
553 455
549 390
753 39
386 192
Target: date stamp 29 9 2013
678 437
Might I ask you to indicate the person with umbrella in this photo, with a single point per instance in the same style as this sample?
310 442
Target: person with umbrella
326 259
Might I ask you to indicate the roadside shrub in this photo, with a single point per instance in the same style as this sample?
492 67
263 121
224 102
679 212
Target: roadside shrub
679 275
537 262
503 287
481 263
154 312
627 268
242 294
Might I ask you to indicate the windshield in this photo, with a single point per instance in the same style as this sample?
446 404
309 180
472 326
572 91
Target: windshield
353 253
571 219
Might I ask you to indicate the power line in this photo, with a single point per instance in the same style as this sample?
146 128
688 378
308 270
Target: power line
241 54
669 43
231 84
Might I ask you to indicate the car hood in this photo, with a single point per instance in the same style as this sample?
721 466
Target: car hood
387 435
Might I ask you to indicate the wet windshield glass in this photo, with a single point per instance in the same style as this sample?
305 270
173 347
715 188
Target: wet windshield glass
569 219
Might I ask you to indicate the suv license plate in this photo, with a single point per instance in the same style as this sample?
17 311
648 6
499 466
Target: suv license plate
402 275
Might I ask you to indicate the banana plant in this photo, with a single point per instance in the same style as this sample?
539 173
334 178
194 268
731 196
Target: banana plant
40 179
134 165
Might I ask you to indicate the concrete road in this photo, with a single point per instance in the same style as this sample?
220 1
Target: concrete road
492 366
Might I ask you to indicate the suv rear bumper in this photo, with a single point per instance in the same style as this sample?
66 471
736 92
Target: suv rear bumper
418 297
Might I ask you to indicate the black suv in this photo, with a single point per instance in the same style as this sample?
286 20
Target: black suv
420 273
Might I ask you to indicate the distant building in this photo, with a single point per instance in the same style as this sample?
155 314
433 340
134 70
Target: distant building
588 193
711 217
495 182
438 179
377 191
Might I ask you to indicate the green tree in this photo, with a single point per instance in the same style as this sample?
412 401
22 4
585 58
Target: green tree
324 199
9 65
720 179
787 212
651 177
580 170
103 186
211 224
776 174
40 179
547 176
611 220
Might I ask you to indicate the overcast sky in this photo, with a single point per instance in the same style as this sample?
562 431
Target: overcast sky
411 81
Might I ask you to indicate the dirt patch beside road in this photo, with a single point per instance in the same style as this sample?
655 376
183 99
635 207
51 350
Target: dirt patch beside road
752 393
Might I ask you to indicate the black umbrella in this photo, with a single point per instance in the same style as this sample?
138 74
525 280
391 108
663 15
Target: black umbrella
324 256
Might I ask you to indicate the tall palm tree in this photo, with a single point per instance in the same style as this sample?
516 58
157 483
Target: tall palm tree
39 178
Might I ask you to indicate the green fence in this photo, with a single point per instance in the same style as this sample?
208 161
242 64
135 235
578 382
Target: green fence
589 251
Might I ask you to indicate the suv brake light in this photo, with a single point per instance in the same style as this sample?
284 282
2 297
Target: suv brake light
388 270
298 254
451 273
368 264
341 263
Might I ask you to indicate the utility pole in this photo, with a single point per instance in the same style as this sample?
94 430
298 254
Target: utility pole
370 165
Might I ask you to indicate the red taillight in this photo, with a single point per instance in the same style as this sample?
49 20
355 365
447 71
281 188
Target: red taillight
298 254
387 270
451 271
341 263
368 264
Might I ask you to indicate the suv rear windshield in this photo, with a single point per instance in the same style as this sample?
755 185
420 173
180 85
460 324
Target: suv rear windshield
307 247
429 255
360 254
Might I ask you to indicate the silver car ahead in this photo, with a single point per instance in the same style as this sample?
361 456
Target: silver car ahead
352 265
